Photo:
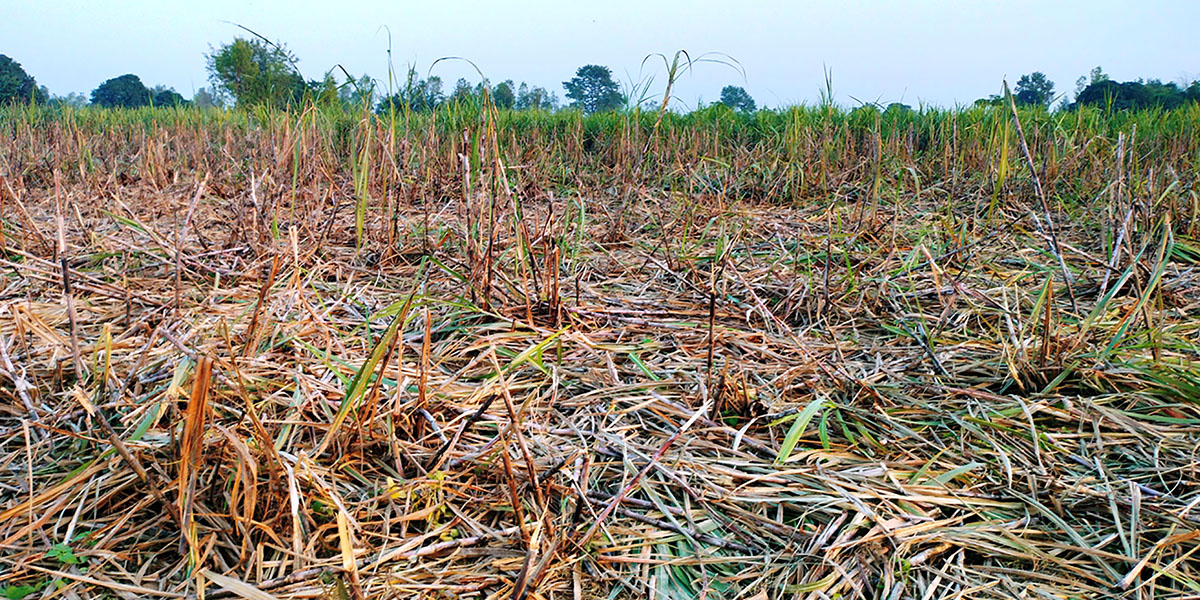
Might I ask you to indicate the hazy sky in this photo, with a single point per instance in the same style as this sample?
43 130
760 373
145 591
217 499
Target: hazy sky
936 52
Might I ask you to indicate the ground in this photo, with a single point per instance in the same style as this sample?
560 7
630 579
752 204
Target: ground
209 386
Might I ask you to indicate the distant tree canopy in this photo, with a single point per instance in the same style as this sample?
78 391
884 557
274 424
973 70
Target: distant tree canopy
535 98
418 95
126 91
73 99
737 98
16 85
165 96
425 95
1134 95
592 89
324 92
256 73
358 92
463 92
1035 89
1097 89
1095 76
206 99
504 95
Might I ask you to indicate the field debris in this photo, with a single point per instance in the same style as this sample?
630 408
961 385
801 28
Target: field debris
470 356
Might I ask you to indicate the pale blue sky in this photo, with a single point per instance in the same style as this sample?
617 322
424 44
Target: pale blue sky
936 52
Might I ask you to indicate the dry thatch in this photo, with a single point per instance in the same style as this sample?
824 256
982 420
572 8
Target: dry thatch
504 394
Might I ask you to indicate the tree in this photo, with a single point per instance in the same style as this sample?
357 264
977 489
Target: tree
1035 88
418 95
16 85
993 100
170 98
324 92
255 73
126 91
357 92
165 96
427 94
503 95
73 99
1192 93
535 98
1163 95
1095 76
206 99
463 92
737 98
1134 95
592 89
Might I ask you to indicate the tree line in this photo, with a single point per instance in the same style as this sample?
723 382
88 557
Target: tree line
1097 89
258 72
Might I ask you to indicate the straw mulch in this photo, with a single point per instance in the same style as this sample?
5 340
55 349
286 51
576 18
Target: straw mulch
686 398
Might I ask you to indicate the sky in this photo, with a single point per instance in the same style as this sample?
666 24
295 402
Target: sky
920 52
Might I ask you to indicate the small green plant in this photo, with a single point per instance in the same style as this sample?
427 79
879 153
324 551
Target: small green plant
17 592
63 554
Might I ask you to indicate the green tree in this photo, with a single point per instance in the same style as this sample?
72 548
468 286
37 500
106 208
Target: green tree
255 72
463 92
993 100
206 99
592 89
1163 95
125 91
427 94
73 99
1110 93
1095 76
16 85
165 96
503 95
1136 95
324 92
1192 93
1035 88
356 92
418 95
535 98
737 98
